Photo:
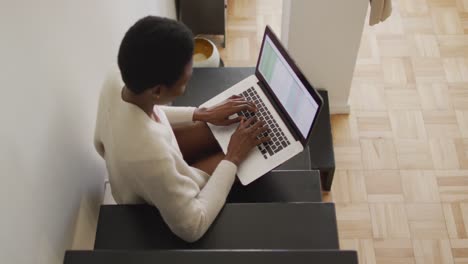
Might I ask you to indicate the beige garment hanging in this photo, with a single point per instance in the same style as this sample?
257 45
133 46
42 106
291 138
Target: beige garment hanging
380 10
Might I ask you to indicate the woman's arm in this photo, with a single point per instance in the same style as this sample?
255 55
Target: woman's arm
217 115
178 114
187 210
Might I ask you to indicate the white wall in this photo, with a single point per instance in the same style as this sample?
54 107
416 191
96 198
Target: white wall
323 36
53 58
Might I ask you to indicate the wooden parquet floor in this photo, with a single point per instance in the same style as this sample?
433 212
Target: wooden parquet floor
401 185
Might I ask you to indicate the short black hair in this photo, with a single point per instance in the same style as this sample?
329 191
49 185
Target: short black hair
155 50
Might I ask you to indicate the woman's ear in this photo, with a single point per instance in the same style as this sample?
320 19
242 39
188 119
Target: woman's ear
156 92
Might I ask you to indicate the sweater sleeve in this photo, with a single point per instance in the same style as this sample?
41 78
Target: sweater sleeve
187 210
178 114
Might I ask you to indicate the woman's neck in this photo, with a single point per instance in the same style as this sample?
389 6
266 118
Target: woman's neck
138 100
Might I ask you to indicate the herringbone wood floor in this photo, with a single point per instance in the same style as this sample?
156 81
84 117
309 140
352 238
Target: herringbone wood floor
401 186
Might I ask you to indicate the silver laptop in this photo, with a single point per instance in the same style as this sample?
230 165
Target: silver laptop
285 100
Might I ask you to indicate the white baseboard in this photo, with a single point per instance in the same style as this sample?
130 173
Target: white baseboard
339 109
86 224
108 198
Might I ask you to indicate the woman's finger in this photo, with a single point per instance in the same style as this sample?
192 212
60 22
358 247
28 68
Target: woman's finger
256 126
249 121
234 109
261 130
262 140
236 102
242 101
241 124
235 96
237 99
244 107
233 120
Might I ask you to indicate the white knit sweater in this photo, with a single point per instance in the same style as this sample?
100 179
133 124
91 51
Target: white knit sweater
145 164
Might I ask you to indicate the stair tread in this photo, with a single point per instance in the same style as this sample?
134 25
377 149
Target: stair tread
206 257
279 186
238 226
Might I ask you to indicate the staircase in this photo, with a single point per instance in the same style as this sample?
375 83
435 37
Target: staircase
279 218
256 225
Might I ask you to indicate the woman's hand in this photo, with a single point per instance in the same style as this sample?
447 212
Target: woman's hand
220 113
244 139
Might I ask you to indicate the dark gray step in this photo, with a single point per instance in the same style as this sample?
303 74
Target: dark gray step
211 257
279 186
238 226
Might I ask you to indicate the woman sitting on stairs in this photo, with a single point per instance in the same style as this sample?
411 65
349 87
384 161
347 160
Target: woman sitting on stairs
166 156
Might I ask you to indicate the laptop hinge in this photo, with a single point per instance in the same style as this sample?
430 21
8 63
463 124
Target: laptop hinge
279 111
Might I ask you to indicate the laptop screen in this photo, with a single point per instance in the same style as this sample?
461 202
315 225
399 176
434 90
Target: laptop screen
285 84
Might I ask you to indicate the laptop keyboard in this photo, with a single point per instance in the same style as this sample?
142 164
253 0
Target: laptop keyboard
278 138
